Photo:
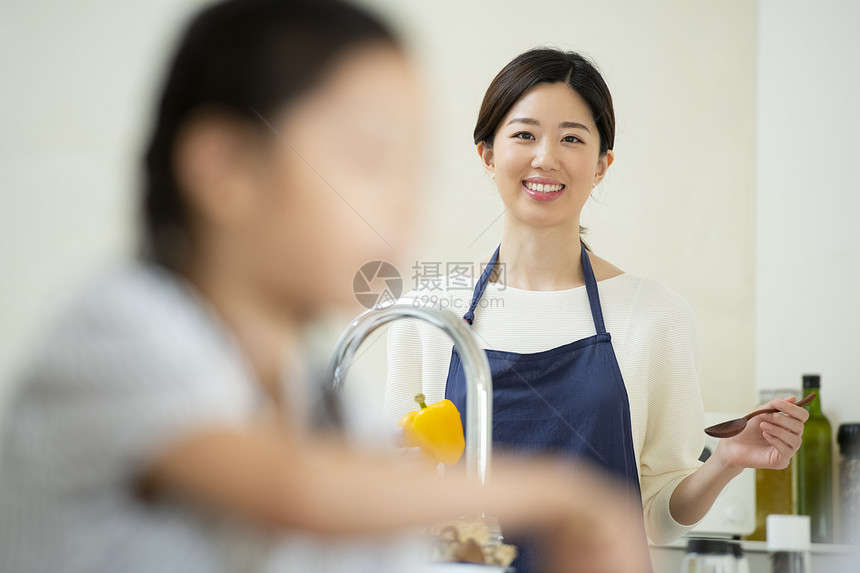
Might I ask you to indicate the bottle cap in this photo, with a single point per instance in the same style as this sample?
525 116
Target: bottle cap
788 533
811 381
848 437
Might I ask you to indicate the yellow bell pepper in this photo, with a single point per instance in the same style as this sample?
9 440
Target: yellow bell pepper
436 429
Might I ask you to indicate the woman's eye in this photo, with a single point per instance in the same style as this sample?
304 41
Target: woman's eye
524 135
571 139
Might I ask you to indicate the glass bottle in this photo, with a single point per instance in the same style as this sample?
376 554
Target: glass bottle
815 467
774 491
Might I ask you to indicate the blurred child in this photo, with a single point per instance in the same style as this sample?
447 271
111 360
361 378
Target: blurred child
150 432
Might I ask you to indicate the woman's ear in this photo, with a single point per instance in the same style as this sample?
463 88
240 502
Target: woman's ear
215 170
603 164
487 158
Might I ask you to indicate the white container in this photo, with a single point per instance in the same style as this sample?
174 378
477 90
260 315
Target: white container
788 542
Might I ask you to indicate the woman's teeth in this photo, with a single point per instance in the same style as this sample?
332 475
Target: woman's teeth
541 188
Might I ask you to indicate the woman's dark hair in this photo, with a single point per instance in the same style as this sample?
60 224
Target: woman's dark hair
243 58
546 65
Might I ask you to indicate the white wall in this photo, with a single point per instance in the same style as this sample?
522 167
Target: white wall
808 200
679 204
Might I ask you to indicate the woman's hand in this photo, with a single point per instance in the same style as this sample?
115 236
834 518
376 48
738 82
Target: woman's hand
769 440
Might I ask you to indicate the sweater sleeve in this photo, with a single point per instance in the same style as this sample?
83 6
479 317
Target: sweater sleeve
674 437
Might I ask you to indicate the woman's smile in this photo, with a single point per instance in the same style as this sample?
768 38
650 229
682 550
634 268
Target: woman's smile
542 188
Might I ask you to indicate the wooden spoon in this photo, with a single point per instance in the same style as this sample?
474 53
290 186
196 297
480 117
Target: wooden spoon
736 426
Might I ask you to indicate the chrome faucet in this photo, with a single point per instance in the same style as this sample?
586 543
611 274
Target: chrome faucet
479 383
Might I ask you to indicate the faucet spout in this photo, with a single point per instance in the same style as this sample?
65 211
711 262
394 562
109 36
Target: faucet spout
479 383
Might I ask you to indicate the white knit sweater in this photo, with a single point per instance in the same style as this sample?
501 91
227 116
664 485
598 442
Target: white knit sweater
655 341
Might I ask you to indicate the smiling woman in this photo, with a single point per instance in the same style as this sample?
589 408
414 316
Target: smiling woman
587 360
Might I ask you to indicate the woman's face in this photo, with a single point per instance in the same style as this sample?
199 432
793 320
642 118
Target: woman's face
342 180
546 157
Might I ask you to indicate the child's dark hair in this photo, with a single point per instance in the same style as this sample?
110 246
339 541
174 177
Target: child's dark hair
240 57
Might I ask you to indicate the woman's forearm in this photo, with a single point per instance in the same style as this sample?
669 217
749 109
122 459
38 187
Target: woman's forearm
694 496
770 443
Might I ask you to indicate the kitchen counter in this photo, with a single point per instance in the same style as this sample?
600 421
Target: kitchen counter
826 558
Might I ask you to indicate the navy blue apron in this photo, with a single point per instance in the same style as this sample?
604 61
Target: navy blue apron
570 400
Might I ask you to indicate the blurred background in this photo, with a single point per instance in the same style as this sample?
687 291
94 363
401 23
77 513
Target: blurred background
734 181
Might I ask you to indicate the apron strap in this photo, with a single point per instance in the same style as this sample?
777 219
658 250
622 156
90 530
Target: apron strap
590 287
481 286
593 295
